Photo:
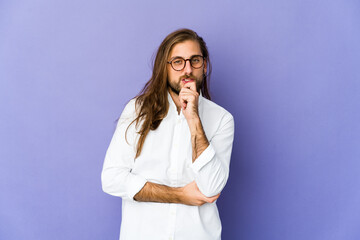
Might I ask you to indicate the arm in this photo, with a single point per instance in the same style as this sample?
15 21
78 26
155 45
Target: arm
211 167
199 141
189 194
117 178
211 160
189 99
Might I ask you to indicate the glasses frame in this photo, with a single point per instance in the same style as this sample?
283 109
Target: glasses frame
170 62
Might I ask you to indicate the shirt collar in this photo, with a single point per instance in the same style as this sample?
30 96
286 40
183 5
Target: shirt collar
172 106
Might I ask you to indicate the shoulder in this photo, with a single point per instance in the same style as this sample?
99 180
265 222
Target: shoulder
130 106
215 119
128 113
214 111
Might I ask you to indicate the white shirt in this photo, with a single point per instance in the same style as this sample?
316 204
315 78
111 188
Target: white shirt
166 158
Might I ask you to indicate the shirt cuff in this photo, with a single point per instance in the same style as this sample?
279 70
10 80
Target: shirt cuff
203 159
135 186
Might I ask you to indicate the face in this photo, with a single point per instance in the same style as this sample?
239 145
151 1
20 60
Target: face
177 79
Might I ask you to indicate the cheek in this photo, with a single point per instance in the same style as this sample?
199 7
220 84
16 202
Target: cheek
173 76
199 73
170 77
170 71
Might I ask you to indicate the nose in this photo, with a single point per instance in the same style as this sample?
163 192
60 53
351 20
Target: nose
188 68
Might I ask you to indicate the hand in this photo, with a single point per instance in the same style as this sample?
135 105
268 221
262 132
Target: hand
189 98
192 195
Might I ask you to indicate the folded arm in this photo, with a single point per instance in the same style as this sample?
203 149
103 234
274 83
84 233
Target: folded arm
189 194
211 159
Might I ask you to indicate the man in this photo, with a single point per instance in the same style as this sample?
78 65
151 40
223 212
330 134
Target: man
170 153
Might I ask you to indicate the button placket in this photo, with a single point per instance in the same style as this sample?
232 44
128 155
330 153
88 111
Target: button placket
173 170
172 218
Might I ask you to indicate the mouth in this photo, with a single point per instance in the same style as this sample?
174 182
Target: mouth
187 80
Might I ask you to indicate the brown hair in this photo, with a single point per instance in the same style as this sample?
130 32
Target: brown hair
152 101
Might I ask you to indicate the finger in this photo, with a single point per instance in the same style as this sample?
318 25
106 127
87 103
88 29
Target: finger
191 85
213 198
189 97
185 90
183 101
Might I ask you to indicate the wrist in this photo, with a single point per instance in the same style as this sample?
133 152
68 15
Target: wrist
179 192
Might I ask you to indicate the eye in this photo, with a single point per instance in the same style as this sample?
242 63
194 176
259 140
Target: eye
178 61
196 61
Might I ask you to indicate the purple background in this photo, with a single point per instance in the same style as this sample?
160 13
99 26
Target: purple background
287 70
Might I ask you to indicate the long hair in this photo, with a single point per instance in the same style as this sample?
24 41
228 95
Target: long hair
152 102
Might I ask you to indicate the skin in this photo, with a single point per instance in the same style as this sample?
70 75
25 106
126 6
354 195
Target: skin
185 94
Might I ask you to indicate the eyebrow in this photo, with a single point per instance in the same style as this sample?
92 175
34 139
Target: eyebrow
184 58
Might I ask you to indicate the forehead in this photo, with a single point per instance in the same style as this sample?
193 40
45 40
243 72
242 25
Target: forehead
185 49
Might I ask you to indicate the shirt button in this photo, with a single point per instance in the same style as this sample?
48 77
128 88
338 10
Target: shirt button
178 121
170 238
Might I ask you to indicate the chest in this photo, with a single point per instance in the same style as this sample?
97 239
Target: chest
167 153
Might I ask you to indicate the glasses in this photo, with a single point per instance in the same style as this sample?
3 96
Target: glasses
178 63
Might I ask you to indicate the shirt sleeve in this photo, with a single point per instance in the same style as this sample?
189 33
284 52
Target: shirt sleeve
211 168
117 178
